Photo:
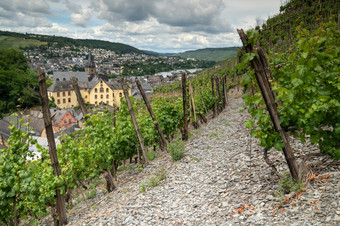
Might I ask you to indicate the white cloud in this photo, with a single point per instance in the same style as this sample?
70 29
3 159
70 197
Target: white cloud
159 25
82 18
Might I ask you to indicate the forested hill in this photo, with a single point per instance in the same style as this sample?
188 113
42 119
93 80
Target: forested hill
213 54
28 40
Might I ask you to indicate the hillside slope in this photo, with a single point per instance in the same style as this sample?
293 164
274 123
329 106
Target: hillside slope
222 180
212 54
36 40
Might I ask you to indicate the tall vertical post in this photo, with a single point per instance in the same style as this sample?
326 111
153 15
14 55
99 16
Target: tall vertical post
60 201
134 121
213 95
78 94
163 141
271 106
185 135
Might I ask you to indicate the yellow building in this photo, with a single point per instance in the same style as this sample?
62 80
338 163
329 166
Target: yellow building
96 91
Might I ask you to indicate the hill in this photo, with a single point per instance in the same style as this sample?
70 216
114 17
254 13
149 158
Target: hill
22 41
212 54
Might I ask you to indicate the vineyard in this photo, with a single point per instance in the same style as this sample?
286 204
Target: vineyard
300 95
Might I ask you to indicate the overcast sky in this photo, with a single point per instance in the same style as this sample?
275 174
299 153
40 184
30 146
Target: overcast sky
157 25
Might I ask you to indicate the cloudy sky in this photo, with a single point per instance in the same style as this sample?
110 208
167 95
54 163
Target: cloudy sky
157 25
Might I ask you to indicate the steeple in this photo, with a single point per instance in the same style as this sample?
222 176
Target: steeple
90 66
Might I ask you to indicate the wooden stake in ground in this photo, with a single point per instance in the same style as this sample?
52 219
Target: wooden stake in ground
224 78
163 141
134 121
271 106
60 201
81 103
213 95
192 101
185 135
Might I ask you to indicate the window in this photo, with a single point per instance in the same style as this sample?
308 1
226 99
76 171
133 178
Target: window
101 89
64 101
107 96
70 120
107 90
69 100
58 94
63 93
107 102
85 96
95 102
95 96
113 94
101 96
120 94
65 121
95 90
58 101
69 93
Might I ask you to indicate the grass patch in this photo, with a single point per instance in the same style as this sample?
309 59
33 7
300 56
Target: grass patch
176 149
157 178
195 159
213 135
241 111
151 155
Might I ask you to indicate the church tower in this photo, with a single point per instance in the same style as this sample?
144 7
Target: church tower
90 67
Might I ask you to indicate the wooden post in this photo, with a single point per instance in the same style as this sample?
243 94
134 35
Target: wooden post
213 95
134 121
271 106
218 91
192 101
60 201
153 116
78 94
224 91
185 135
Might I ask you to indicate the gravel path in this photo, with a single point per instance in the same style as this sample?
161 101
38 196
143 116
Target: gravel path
222 180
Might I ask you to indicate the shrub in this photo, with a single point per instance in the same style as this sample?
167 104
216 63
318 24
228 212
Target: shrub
176 149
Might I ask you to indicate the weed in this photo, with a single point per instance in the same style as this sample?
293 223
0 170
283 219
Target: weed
209 147
213 135
241 111
142 188
288 185
151 155
195 159
92 193
159 176
176 149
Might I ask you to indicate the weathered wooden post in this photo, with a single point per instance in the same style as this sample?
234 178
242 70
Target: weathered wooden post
192 101
185 135
134 121
74 83
163 141
213 95
271 105
60 201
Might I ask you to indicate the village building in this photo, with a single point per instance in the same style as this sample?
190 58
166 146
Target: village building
94 88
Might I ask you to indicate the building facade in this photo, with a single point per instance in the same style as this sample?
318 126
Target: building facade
95 89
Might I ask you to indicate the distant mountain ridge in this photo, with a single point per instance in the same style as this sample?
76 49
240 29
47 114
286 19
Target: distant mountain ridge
20 41
212 54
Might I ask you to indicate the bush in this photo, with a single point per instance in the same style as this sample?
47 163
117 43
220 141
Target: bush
176 149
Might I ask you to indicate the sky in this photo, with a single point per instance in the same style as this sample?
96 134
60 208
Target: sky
155 25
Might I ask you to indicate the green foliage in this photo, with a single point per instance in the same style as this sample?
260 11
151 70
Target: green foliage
157 178
28 187
151 155
18 85
308 88
176 149
288 185
142 188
